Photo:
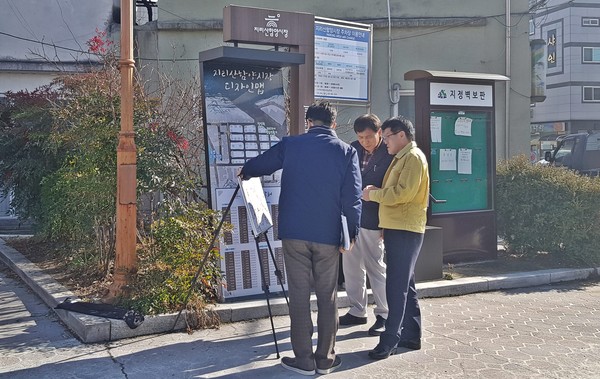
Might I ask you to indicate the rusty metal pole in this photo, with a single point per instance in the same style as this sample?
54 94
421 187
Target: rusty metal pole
126 259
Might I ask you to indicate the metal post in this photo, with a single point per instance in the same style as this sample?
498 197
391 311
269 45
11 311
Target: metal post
507 84
125 260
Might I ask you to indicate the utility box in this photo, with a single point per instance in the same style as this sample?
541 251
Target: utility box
455 128
430 260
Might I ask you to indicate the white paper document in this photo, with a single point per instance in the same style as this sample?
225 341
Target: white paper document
345 238
464 161
435 125
256 205
462 126
447 160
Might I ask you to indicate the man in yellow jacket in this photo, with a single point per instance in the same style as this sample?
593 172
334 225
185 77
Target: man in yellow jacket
403 201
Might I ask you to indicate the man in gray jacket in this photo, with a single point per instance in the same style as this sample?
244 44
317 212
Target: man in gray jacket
366 258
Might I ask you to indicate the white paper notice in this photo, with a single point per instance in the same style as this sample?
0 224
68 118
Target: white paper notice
464 161
462 126
435 125
447 160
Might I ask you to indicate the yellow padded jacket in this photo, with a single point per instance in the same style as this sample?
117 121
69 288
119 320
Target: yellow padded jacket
404 195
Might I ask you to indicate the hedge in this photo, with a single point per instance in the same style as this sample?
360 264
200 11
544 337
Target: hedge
550 210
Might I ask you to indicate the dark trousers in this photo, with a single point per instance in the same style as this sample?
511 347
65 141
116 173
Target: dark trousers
303 260
404 317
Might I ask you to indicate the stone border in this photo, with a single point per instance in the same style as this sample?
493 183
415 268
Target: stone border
87 328
90 329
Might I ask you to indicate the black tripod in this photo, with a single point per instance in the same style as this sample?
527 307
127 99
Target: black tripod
206 255
265 282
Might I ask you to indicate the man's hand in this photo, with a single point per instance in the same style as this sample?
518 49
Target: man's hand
241 174
343 251
366 191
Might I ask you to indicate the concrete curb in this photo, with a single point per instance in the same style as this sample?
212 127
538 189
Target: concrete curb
463 286
90 329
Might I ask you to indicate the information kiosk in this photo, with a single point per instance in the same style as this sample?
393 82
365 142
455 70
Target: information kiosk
455 128
245 112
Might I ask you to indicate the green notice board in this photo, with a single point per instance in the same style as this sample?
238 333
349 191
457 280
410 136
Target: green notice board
459 161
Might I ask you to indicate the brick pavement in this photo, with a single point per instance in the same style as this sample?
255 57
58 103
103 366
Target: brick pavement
550 331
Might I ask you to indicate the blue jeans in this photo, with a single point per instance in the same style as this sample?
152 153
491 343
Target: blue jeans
404 318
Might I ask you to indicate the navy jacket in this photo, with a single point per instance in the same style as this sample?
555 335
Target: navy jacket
372 174
320 181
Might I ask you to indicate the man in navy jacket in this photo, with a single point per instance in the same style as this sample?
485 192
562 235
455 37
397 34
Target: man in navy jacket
320 181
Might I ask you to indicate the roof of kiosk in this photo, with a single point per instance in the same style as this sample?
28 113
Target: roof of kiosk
431 74
257 57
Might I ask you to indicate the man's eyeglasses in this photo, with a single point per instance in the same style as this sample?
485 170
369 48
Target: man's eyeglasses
389 135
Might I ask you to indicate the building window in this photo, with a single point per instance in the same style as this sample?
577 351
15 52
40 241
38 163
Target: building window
588 21
591 54
591 94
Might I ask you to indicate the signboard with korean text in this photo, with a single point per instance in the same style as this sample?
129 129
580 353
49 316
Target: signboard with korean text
454 126
538 70
342 60
244 115
466 95
551 42
554 36
264 26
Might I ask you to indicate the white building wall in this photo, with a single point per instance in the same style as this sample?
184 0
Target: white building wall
15 81
39 37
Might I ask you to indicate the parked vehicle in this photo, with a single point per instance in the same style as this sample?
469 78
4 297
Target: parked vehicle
579 152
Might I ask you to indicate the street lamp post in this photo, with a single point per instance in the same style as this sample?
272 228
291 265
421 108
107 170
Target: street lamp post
125 260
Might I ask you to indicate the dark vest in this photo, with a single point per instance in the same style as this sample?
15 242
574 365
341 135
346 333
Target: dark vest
372 174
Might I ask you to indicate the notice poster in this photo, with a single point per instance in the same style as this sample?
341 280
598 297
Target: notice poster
447 160
462 126
244 115
465 163
342 59
435 125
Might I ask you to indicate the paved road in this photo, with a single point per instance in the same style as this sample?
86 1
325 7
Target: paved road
541 332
